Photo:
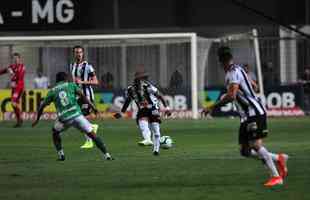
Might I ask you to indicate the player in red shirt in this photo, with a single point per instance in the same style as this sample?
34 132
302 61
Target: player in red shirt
17 74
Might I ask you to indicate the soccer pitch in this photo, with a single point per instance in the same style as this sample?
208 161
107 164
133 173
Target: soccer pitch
204 163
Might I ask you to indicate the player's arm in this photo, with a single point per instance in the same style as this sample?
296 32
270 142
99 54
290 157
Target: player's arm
92 81
3 71
123 109
93 78
126 104
47 101
254 85
230 96
85 100
160 96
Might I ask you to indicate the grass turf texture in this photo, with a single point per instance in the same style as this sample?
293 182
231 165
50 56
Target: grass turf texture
204 164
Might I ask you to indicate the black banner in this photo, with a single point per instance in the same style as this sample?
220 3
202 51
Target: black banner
55 15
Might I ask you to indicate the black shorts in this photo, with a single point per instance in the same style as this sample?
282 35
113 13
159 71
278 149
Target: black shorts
152 114
253 128
85 108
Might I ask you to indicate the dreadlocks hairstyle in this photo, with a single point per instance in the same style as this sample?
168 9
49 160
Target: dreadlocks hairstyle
224 54
61 76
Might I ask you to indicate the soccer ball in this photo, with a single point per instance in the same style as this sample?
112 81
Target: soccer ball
166 142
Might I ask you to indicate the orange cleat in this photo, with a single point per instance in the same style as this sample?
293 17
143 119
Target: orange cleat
282 167
276 180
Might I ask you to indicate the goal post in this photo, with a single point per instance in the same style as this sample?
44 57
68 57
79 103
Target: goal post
194 76
258 63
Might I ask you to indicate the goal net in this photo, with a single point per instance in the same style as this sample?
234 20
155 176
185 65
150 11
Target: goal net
181 65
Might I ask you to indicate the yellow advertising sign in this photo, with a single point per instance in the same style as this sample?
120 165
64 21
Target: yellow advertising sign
29 101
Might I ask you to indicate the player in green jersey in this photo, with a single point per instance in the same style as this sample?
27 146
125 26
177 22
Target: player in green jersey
63 95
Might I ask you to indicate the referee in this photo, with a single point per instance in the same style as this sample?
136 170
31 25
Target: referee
83 74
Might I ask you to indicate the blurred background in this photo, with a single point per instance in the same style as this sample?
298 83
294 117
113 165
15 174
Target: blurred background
269 38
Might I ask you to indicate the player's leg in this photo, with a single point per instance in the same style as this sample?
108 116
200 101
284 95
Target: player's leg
155 126
251 133
85 126
280 159
88 144
266 156
143 124
15 98
88 141
245 148
156 137
56 131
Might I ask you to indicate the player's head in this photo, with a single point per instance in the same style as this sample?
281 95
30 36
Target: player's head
39 73
16 58
78 52
61 76
140 75
224 55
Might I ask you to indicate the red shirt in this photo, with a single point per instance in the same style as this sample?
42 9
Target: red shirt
17 72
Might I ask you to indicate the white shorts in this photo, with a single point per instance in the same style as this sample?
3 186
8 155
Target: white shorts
79 122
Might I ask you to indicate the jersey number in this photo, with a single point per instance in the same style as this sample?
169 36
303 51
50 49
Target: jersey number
63 98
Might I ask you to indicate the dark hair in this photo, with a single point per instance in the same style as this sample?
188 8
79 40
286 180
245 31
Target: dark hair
16 54
78 47
61 76
224 54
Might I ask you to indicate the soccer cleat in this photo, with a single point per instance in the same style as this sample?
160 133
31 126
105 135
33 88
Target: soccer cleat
274 181
155 153
107 156
95 127
282 167
145 143
88 144
18 124
61 158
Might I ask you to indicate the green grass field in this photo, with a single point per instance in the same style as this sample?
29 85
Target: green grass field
204 164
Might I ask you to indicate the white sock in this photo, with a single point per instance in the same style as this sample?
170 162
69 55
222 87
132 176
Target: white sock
61 152
156 136
274 156
107 155
145 130
266 156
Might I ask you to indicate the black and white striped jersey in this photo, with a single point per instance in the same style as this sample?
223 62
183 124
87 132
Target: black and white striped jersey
84 71
144 95
247 103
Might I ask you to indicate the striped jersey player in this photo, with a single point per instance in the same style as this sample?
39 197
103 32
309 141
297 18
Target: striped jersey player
247 103
83 74
253 126
147 98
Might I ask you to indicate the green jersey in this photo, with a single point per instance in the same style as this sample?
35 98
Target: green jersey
63 95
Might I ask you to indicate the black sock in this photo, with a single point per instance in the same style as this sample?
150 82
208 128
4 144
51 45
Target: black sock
57 141
100 145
